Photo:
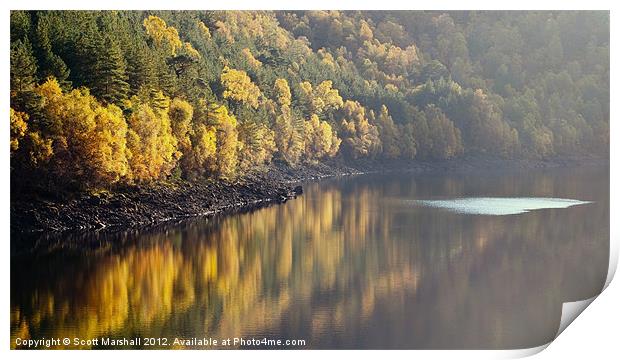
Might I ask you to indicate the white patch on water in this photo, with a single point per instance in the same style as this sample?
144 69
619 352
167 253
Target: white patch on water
499 206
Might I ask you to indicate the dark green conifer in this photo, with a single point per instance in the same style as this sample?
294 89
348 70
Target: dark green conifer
50 64
110 83
23 67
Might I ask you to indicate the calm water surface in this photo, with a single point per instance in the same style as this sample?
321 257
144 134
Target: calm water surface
353 263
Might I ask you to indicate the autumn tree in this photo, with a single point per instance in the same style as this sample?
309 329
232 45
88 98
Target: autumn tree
180 114
200 160
288 126
282 92
19 126
320 99
239 87
319 139
227 141
204 30
250 59
365 32
289 135
152 148
360 137
164 36
486 130
88 138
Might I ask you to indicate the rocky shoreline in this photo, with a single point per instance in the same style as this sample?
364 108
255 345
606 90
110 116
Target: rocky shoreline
138 206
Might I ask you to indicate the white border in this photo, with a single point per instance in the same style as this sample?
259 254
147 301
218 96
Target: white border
594 333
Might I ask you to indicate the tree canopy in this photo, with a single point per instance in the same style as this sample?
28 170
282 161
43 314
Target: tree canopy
107 97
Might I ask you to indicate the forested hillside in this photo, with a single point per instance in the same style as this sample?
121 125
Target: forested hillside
115 97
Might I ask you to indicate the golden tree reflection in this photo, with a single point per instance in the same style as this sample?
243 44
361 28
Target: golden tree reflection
345 260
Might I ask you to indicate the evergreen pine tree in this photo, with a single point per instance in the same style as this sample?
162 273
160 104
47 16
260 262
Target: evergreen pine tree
23 82
20 25
110 83
23 67
50 64
85 57
167 79
140 69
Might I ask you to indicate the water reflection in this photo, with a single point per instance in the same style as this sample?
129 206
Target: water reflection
344 266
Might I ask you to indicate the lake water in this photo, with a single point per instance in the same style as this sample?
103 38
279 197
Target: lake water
478 260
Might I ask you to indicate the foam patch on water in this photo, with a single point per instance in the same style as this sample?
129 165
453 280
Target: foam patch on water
499 206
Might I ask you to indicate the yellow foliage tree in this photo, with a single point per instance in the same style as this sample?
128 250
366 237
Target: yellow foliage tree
40 149
222 29
320 140
111 133
152 148
201 157
365 32
361 138
227 141
289 136
306 88
321 99
204 29
283 92
88 138
386 60
239 87
190 51
162 35
249 57
326 97
180 114
19 127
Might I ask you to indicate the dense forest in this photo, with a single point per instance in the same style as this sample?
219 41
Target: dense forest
100 98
